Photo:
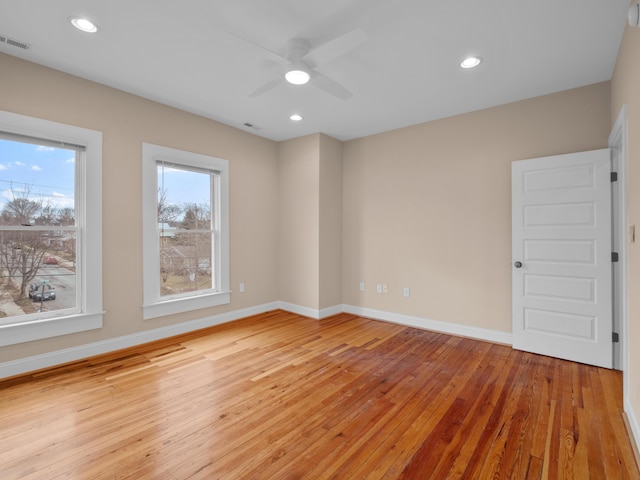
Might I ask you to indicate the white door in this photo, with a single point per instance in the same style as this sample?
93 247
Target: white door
561 257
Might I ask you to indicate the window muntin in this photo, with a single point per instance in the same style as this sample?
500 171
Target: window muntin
185 231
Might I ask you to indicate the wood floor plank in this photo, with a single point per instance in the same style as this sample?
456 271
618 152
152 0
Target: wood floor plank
280 396
475 393
389 433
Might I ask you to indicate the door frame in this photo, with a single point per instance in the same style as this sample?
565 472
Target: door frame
618 139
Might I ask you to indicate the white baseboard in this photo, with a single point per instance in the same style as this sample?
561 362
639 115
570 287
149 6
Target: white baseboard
329 311
311 312
38 362
410 321
436 325
300 310
632 420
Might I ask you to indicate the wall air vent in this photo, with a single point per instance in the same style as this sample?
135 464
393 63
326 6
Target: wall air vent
4 40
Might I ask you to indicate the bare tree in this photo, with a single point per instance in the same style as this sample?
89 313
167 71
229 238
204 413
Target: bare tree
29 255
21 251
66 216
21 210
46 215
167 212
9 255
197 217
21 255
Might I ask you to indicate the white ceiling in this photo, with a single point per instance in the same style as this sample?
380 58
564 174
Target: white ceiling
190 54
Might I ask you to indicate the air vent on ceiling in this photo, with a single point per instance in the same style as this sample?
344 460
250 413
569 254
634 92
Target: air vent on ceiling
14 43
250 125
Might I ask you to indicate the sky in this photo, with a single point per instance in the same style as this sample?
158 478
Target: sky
49 173
184 186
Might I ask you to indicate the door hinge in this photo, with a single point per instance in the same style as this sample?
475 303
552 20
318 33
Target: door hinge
614 176
614 256
615 337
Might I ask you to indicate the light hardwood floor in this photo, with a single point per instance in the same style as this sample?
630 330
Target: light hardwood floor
279 396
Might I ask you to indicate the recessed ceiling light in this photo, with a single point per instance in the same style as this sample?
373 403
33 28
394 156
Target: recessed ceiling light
83 24
295 117
297 77
471 62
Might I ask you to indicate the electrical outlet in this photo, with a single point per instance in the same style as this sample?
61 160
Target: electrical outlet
361 287
379 288
241 287
406 292
384 288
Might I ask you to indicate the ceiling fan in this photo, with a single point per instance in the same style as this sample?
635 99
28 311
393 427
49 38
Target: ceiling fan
301 62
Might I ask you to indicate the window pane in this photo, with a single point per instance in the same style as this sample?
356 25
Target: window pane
39 272
184 228
37 184
185 262
184 198
37 263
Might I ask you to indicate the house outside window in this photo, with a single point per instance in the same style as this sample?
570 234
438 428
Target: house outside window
185 231
50 229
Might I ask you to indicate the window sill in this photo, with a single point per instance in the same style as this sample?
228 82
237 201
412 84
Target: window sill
50 327
180 305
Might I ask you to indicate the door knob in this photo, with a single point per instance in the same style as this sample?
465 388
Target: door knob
518 264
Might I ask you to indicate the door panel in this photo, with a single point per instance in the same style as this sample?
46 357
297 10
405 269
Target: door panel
561 247
570 326
565 288
580 252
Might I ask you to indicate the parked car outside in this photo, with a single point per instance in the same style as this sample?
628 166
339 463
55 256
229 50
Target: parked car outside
50 261
39 292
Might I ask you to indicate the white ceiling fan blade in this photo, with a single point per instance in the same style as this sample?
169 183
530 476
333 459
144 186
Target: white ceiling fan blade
270 85
273 56
335 48
330 86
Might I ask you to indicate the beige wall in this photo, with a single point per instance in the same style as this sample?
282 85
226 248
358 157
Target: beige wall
126 122
429 207
330 222
625 90
310 222
299 214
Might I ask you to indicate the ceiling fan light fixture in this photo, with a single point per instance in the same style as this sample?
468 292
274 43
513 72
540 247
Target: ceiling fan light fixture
471 62
297 77
83 24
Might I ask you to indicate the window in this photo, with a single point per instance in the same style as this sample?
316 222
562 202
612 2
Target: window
185 231
50 229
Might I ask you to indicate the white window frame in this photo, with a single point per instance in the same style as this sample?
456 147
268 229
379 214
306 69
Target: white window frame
89 240
154 305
